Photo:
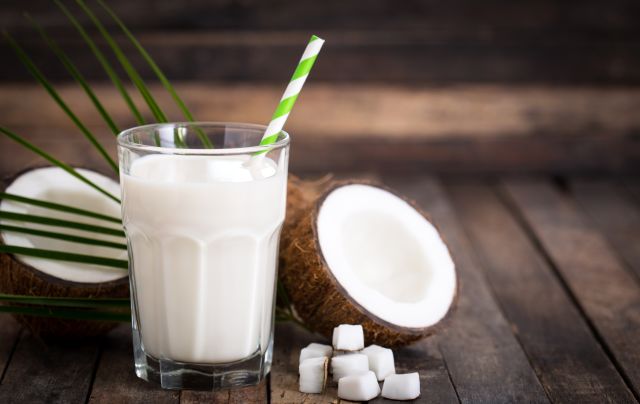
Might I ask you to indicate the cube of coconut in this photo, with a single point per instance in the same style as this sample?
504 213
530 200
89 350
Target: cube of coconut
401 387
363 387
348 365
380 361
314 350
348 337
313 374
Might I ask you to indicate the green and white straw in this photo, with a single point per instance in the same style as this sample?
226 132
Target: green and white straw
293 89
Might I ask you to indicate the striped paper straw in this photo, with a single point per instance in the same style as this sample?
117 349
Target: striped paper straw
293 89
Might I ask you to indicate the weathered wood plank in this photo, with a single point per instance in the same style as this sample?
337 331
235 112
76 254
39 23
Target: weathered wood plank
374 111
49 371
632 185
544 18
567 358
479 156
9 334
197 397
607 293
484 359
425 358
615 215
115 379
289 339
391 57
462 129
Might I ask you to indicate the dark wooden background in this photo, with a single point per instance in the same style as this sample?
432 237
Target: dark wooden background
456 86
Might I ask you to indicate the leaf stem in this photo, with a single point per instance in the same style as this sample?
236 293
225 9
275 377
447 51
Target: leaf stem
106 66
62 236
75 73
70 314
19 139
156 69
77 302
57 206
64 256
126 65
24 217
39 76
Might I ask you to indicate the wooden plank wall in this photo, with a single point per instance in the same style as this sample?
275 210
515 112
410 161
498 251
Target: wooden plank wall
424 41
493 87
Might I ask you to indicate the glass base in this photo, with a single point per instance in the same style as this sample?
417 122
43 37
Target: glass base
190 376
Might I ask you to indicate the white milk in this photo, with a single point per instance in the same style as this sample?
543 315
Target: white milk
203 233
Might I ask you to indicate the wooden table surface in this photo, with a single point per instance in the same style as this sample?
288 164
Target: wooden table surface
549 309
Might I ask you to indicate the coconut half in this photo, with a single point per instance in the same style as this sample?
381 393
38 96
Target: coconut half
41 277
364 255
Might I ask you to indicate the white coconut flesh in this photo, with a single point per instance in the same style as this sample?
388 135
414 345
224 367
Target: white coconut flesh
55 185
387 256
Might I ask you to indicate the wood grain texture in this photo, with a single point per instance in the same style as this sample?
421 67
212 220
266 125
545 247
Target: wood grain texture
528 17
425 358
115 380
566 356
9 333
461 129
416 41
484 359
607 293
49 371
615 215
338 111
289 340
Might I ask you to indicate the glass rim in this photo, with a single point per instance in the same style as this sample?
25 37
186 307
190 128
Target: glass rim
123 141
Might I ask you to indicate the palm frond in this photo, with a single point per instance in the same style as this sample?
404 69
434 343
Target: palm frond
64 256
71 314
19 139
106 66
39 76
76 302
57 206
23 217
62 236
161 76
126 65
75 73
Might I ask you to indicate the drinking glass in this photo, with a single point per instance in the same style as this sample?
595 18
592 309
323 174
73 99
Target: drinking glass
202 205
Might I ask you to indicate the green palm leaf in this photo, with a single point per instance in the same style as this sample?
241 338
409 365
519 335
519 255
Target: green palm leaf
71 314
64 256
62 236
19 139
126 65
75 73
23 217
163 79
75 302
33 69
57 206
106 66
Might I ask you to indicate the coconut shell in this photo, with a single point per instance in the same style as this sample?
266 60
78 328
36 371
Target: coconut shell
318 298
21 279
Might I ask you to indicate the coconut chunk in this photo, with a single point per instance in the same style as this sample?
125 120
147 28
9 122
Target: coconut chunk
401 387
362 387
348 365
313 374
348 337
314 350
380 361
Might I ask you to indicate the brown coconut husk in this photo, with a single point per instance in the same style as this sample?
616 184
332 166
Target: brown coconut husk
20 279
319 300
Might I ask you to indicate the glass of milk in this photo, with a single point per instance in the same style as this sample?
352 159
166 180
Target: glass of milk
202 225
